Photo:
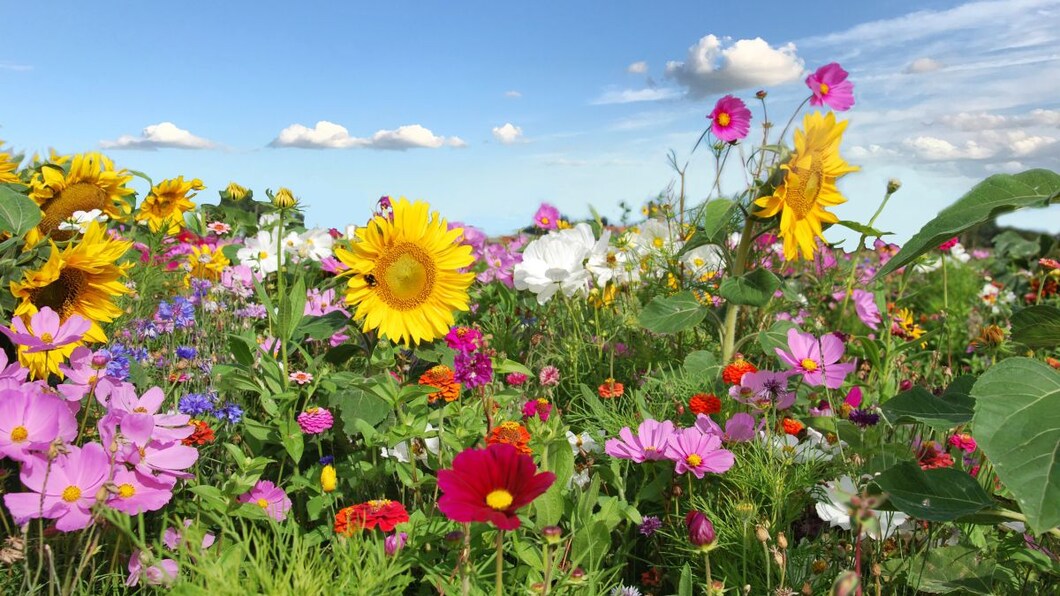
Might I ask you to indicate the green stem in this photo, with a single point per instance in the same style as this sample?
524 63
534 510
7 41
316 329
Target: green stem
733 310
282 297
710 580
500 563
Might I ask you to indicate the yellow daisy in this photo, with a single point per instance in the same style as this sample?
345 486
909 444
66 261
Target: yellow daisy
8 165
405 280
165 206
809 185
205 262
90 182
83 278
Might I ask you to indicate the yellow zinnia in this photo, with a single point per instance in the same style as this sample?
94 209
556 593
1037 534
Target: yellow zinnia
83 278
8 165
809 185
90 182
164 208
405 280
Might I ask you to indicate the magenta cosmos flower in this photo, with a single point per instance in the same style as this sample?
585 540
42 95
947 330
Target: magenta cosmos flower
817 360
547 217
46 331
831 88
490 485
87 373
135 493
648 444
30 422
269 497
315 420
763 389
864 306
139 419
697 452
730 120
64 491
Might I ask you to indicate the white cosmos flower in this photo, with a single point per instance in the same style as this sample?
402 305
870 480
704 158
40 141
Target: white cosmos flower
259 252
557 262
704 260
400 452
657 236
834 508
583 442
315 244
78 222
814 448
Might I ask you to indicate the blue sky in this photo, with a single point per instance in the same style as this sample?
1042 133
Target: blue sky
486 109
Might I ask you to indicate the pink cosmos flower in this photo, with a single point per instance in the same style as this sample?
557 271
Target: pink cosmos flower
12 370
817 360
46 331
164 462
853 398
87 373
315 421
491 485
649 443
698 452
64 491
163 572
547 217
549 376
269 497
139 419
332 265
706 425
864 306
173 538
135 493
831 88
730 120
30 421
763 389
740 428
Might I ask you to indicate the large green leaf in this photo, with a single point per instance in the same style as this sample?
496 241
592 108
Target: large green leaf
755 288
18 214
1037 327
716 215
951 568
944 494
919 405
1017 425
672 313
990 198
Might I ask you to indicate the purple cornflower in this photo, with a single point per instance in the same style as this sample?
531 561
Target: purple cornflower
229 412
650 525
473 370
327 460
195 404
181 312
864 418
186 352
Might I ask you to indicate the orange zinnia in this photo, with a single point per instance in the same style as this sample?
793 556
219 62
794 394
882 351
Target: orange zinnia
704 403
736 370
611 388
511 433
792 427
442 377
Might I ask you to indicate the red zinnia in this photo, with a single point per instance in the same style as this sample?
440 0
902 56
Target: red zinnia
202 434
510 433
383 513
792 427
490 485
704 403
931 456
611 388
736 370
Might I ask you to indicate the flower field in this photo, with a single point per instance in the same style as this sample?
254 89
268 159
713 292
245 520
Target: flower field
705 397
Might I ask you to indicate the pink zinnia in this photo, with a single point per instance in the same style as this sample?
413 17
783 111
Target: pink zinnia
549 376
537 407
269 497
698 452
490 485
831 88
947 245
46 331
817 360
64 491
30 422
730 120
300 377
464 339
648 444
547 217
218 227
515 379
964 442
315 421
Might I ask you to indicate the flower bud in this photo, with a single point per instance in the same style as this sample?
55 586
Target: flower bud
236 192
577 576
745 509
328 479
782 540
761 534
100 360
761 94
395 542
552 534
284 199
454 538
700 531
893 185
992 336
905 385
846 584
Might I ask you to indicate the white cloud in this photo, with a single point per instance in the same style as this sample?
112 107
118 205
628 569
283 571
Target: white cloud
936 149
639 67
635 95
513 94
1046 117
858 152
713 67
161 135
328 135
508 134
922 65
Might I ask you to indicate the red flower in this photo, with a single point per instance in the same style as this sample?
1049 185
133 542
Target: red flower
931 456
202 434
736 370
704 403
383 513
490 485
792 427
611 388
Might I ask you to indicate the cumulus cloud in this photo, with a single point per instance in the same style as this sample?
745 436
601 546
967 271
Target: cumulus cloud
639 67
157 136
328 135
635 95
936 149
513 94
922 65
713 66
508 134
858 152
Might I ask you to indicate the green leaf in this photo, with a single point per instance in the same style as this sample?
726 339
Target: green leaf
1010 244
355 405
18 213
291 437
754 289
684 586
1017 425
701 364
990 198
863 229
241 350
919 405
944 494
293 309
716 216
949 569
506 366
1037 327
775 337
672 314
322 327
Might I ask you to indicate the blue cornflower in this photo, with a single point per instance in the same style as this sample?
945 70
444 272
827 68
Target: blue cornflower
195 404
327 460
230 413
183 312
186 352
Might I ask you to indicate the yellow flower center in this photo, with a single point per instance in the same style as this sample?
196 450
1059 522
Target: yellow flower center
499 499
81 196
71 494
545 220
140 409
824 89
126 490
657 242
62 294
650 449
405 276
19 434
263 503
46 338
808 364
693 460
263 255
724 119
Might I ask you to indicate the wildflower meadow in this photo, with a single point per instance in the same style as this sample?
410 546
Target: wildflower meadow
199 394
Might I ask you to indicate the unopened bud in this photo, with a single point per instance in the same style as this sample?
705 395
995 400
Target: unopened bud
846 584
778 557
807 589
577 576
893 185
761 534
877 571
454 538
552 534
761 94
284 199
782 540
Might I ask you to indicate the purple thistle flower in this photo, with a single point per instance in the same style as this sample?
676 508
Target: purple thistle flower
649 525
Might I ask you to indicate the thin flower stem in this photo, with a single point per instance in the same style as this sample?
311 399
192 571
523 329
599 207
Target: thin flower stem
732 311
710 580
500 563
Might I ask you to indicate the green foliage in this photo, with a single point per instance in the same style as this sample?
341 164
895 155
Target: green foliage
754 289
1037 327
18 213
672 314
944 494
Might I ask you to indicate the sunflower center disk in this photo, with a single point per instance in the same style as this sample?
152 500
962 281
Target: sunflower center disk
499 499
405 277
803 197
61 294
81 196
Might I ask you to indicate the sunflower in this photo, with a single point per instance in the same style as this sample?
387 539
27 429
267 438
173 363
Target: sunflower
90 182
8 165
405 280
165 206
206 262
809 185
83 278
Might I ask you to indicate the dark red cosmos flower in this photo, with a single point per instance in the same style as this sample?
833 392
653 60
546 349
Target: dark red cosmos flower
490 485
